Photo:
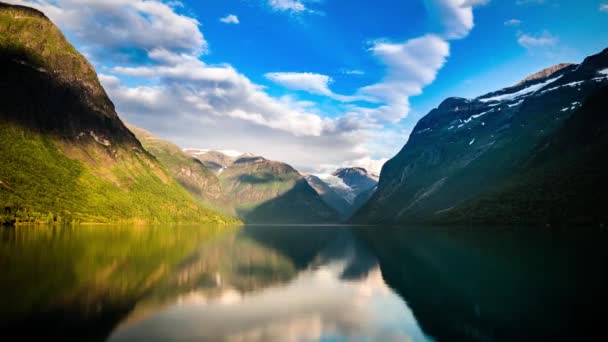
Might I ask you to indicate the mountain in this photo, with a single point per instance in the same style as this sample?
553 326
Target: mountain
66 155
213 160
357 178
345 190
330 196
190 172
267 191
521 155
255 189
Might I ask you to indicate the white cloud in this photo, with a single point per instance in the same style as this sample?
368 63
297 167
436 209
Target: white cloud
230 19
532 41
411 65
287 5
310 82
456 16
604 7
223 91
513 22
306 81
104 25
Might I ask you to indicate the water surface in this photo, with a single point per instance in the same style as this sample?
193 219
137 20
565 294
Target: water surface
302 283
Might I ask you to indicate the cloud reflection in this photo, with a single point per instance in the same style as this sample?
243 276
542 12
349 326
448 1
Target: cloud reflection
317 304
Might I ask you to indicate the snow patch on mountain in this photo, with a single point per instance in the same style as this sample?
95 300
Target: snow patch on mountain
338 185
571 84
526 91
516 104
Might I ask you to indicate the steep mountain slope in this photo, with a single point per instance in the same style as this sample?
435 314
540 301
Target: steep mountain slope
267 191
330 197
564 181
65 153
190 172
469 147
357 178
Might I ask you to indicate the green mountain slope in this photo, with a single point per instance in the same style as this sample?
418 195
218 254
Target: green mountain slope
190 172
65 153
265 191
470 150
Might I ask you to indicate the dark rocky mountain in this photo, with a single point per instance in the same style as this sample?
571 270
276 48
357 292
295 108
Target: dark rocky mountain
66 155
466 156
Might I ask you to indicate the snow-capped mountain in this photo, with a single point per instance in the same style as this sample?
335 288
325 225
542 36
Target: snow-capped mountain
467 148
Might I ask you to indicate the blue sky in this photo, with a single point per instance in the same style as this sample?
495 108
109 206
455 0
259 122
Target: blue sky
316 83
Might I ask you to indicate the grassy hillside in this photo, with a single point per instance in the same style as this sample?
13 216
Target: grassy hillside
39 182
190 172
65 154
266 191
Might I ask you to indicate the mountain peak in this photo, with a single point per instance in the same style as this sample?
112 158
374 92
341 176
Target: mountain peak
545 72
248 158
343 171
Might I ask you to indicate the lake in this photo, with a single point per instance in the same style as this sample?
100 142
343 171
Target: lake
302 283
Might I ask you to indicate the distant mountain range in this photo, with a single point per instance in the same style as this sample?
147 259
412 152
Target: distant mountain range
532 153
343 191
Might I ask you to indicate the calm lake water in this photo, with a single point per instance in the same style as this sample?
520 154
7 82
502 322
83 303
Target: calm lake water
302 283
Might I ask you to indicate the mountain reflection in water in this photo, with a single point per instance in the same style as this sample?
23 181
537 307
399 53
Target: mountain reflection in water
302 283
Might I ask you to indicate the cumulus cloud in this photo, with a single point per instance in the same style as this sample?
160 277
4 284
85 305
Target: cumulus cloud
310 82
455 16
530 41
123 24
604 7
306 81
230 19
287 5
411 65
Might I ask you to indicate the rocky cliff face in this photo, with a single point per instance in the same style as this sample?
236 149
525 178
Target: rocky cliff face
469 147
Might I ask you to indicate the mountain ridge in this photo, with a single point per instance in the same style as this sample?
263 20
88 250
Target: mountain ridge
467 147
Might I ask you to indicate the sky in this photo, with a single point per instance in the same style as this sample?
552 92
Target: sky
319 84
